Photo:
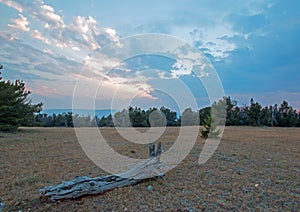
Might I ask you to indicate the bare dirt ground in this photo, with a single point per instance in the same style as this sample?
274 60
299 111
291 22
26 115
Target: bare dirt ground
252 169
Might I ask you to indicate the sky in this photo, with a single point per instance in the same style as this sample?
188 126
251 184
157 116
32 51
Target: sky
52 45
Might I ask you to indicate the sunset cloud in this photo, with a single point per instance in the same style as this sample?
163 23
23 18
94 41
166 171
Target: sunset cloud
20 23
52 42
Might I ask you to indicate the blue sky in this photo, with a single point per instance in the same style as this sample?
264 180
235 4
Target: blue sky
253 46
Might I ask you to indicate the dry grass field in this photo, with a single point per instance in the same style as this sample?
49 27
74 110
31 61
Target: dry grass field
253 169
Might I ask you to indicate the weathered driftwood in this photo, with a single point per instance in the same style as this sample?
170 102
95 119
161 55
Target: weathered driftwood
84 185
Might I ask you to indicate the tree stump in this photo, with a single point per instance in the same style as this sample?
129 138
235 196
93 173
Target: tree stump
84 185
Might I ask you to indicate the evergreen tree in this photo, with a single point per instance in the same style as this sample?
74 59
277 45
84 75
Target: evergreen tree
121 118
209 128
203 113
69 119
157 118
286 116
171 116
232 111
266 116
16 108
254 113
189 117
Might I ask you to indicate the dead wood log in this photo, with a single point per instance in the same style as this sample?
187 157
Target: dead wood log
84 185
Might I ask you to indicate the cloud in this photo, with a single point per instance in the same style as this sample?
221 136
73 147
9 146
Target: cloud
44 64
113 36
249 43
210 40
13 4
82 33
268 60
20 23
67 44
84 25
44 90
112 88
75 48
37 9
108 72
180 70
47 14
47 51
37 35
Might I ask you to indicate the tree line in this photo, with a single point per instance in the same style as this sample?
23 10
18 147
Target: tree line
254 114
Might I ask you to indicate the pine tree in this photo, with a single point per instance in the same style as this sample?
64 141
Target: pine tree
16 108
216 116
209 128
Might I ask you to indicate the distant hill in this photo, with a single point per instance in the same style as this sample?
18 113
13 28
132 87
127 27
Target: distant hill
82 112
